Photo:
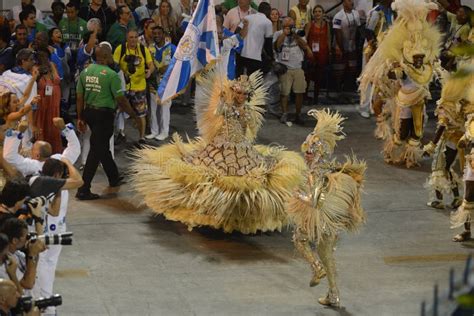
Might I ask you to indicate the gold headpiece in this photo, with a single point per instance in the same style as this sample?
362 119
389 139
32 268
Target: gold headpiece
328 130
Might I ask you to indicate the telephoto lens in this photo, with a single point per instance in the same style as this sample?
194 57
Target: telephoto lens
64 239
26 303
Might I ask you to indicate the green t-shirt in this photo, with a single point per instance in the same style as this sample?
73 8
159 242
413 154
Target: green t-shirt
73 31
100 85
118 33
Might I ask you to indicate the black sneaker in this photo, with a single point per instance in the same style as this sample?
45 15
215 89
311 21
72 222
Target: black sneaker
85 196
284 118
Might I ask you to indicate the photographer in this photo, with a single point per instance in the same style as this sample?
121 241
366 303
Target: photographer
57 176
291 49
9 298
17 231
13 197
136 63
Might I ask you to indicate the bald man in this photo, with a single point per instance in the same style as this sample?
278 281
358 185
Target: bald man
99 90
8 296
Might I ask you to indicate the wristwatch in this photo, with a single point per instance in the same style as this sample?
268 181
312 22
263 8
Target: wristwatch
34 259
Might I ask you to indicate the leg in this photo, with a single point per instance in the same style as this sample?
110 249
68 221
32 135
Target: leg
304 248
450 155
285 88
240 66
326 254
165 121
465 211
86 145
299 88
154 131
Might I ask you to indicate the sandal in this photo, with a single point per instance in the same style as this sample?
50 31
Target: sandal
436 204
317 276
464 236
456 203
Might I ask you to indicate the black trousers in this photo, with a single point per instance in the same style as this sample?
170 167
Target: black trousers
101 123
251 65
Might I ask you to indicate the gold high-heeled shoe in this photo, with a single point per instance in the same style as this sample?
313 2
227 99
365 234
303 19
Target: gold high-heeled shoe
318 274
331 299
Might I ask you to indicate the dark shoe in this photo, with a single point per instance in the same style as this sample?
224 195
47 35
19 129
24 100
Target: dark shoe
121 180
284 118
298 120
85 196
119 139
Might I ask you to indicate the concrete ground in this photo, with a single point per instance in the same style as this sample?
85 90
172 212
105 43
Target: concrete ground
125 261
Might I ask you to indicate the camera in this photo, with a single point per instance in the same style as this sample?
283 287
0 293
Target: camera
131 61
26 213
64 239
26 303
294 30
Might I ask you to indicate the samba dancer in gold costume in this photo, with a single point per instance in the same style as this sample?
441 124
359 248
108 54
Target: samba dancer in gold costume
221 179
328 202
402 69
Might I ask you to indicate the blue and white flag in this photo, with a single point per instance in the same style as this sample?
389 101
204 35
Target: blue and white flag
198 47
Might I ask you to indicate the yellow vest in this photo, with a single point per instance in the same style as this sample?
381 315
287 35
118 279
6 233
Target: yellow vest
301 19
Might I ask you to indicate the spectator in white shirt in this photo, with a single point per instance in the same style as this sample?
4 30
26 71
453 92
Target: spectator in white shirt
235 15
291 49
257 40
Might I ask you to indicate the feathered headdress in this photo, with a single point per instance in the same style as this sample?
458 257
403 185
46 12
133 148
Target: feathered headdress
218 90
326 133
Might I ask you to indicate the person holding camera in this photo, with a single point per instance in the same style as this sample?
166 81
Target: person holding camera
12 197
24 263
99 90
136 63
291 49
9 299
57 176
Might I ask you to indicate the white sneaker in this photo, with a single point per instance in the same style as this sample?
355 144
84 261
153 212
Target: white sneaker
161 136
151 136
364 114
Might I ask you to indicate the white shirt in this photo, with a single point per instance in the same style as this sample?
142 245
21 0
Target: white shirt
235 16
144 13
259 28
28 166
348 23
17 83
290 54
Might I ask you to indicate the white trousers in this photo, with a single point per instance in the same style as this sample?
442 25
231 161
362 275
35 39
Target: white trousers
159 116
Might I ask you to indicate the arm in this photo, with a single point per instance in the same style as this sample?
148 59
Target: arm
73 149
280 39
302 44
11 265
339 42
74 180
26 166
29 87
267 47
244 30
91 43
150 64
34 249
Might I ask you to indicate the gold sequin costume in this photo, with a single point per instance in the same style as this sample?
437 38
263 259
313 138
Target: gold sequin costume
401 80
443 179
221 179
328 202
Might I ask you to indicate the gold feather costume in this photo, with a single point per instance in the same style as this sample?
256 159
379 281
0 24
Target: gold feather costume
328 202
402 80
221 179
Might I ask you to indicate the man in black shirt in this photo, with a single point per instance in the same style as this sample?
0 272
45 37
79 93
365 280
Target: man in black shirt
101 11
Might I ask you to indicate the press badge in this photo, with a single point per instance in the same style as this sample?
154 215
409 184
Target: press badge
315 47
48 91
285 54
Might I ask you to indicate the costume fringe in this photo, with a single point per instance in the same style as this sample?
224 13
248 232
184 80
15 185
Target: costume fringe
382 128
392 152
461 215
412 155
338 209
197 196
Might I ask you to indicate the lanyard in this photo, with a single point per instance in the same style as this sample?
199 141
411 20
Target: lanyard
349 20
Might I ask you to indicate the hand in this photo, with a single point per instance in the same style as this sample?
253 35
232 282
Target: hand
245 22
81 126
429 149
22 126
33 312
59 123
11 264
36 100
35 247
37 132
35 72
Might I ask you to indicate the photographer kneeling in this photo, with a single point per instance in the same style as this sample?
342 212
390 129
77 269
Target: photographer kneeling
25 262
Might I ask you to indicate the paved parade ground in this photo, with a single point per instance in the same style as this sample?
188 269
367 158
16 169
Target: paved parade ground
125 261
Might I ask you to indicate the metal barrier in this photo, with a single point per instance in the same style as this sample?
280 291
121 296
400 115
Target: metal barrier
446 303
